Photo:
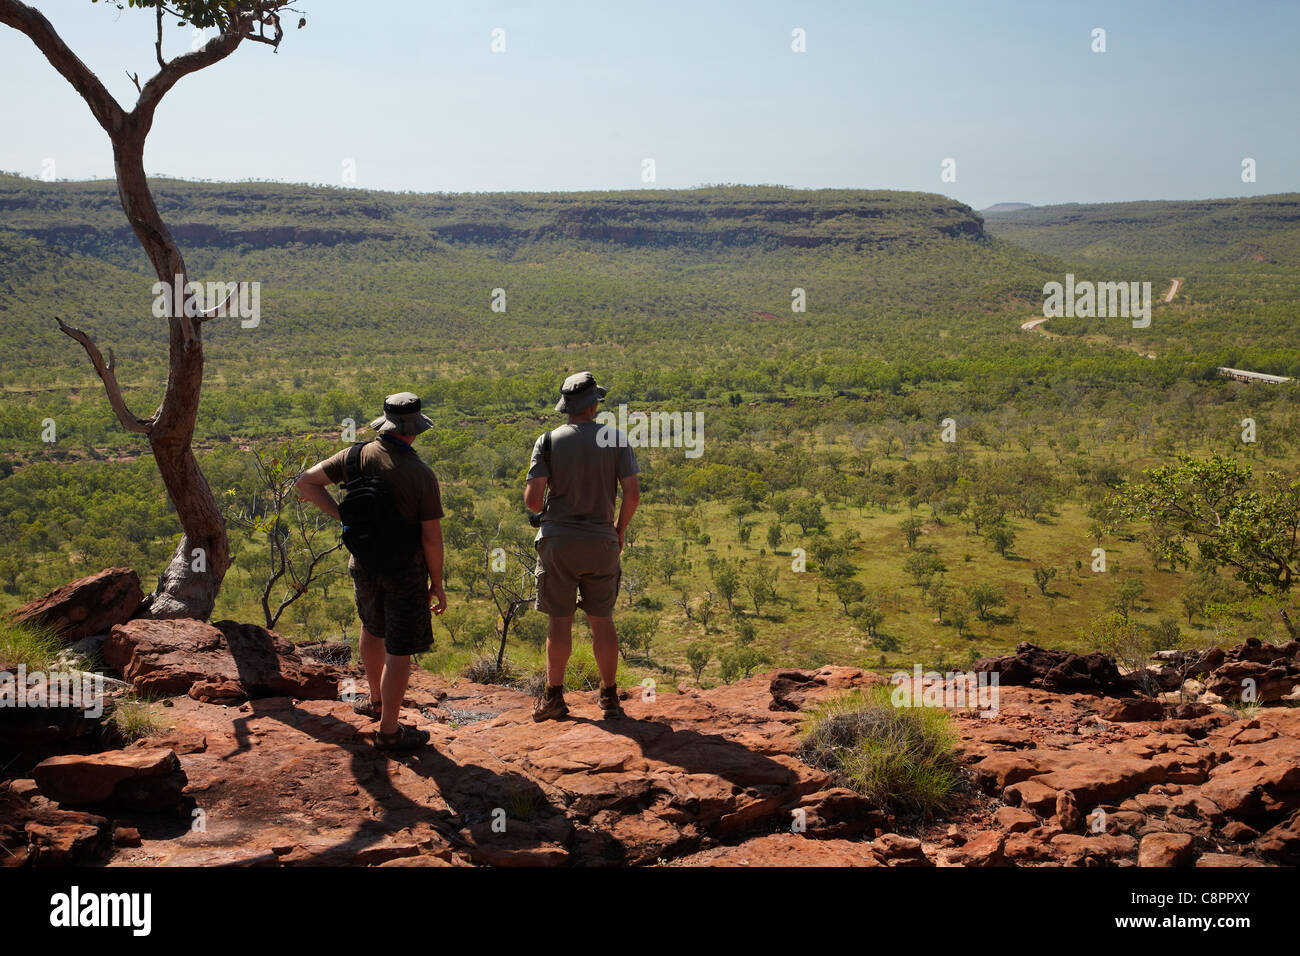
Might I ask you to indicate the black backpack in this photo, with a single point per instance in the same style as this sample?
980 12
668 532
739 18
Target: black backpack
381 540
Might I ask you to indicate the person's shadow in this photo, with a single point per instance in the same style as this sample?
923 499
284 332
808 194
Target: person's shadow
505 811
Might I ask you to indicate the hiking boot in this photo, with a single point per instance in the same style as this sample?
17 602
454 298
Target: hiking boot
551 705
610 708
402 740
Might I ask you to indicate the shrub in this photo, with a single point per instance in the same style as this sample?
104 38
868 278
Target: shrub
484 670
903 759
35 647
134 718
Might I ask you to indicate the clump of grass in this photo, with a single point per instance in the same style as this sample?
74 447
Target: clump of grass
35 647
484 670
1244 709
581 672
903 759
134 718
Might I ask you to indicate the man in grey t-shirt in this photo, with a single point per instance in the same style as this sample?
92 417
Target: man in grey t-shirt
574 484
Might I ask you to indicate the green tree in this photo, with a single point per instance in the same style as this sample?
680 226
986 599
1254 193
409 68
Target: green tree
922 566
1043 578
868 615
938 596
1127 597
807 514
1001 537
726 578
984 598
1236 521
849 591
698 655
774 535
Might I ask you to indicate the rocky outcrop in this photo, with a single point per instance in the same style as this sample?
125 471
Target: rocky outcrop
87 606
277 771
43 713
222 663
795 689
1061 671
1270 672
34 832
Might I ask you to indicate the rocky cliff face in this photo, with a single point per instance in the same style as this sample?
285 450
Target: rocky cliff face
250 776
87 217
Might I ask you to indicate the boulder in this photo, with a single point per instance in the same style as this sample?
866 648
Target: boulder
222 663
138 778
894 849
786 849
1225 859
1074 849
1273 670
49 713
835 814
1014 819
1068 814
1238 832
986 848
33 832
1133 709
795 690
1247 788
87 606
1165 849
1057 670
1270 682
1282 843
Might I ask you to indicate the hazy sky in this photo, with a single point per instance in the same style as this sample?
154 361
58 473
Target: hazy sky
412 93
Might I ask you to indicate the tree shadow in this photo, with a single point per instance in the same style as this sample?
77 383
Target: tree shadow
473 794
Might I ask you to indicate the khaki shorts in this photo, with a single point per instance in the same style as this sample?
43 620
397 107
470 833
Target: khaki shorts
569 565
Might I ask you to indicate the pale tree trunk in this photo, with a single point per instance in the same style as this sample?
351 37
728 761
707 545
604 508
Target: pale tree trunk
189 585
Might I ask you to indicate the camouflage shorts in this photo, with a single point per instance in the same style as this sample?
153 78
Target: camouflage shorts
395 607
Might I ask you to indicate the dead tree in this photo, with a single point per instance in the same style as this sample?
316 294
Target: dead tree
189 585
510 573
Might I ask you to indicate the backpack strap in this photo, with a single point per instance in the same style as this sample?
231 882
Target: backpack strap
546 454
352 464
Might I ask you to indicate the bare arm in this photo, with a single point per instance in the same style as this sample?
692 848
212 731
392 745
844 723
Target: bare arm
431 541
535 494
312 485
631 498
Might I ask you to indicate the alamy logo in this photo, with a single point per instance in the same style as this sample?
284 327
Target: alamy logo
238 300
74 690
652 430
1100 299
74 909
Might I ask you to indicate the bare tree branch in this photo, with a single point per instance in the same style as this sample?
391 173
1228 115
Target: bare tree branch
214 51
124 415
162 64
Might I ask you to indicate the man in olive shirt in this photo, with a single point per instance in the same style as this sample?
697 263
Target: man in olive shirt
394 608
579 539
